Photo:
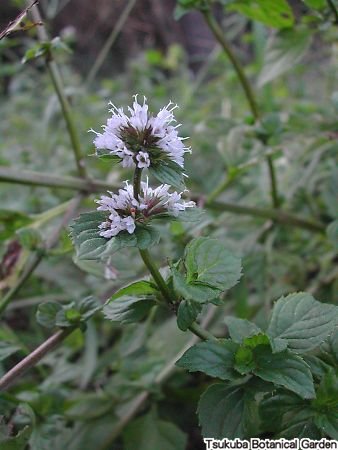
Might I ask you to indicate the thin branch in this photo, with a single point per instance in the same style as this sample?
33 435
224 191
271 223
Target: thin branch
277 215
33 358
32 178
110 41
60 92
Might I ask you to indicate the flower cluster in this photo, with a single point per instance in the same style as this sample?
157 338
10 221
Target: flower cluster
141 139
125 211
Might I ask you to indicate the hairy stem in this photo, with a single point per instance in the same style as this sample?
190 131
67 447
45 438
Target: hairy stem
33 358
60 92
137 182
218 33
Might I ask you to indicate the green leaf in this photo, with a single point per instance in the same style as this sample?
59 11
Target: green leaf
245 361
302 321
105 155
128 309
7 349
284 369
224 412
326 405
283 51
209 262
90 246
287 415
10 221
276 13
240 329
197 292
46 314
29 238
87 307
316 4
138 288
190 215
149 432
187 313
168 172
212 358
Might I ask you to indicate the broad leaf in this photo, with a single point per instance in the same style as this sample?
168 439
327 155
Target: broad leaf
276 13
283 51
302 321
240 329
149 432
284 369
197 292
212 358
128 309
209 262
224 412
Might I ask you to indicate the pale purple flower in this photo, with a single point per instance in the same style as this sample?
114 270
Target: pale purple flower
125 211
140 138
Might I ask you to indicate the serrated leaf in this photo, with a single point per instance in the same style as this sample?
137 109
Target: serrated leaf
209 262
277 14
169 173
326 405
87 307
128 309
142 287
7 349
212 358
149 432
187 313
197 292
224 412
46 314
302 321
283 51
240 329
284 369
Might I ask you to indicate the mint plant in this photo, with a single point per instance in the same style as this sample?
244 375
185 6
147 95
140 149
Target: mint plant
257 367
136 313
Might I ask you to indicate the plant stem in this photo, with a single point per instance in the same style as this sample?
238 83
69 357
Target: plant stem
31 178
277 215
39 254
110 41
33 358
202 333
137 182
60 92
218 33
159 280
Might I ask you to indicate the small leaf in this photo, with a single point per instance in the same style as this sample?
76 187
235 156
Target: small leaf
240 329
46 314
187 313
168 172
284 50
326 405
106 155
224 412
29 238
138 288
209 262
128 309
212 358
276 14
197 292
302 321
